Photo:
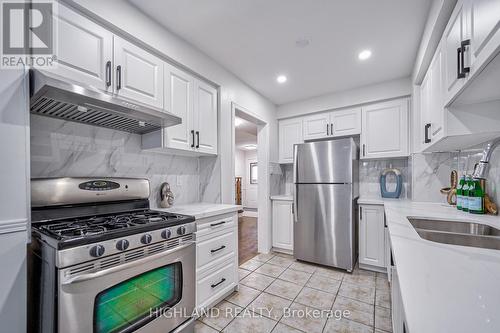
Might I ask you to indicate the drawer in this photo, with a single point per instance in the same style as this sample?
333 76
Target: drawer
215 284
211 225
210 250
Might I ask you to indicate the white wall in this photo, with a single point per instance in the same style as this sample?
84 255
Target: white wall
122 16
361 95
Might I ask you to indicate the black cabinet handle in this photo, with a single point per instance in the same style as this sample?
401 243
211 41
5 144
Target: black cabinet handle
331 129
216 224
364 149
360 213
463 45
118 77
192 135
216 284
327 126
218 249
460 75
108 74
198 139
427 139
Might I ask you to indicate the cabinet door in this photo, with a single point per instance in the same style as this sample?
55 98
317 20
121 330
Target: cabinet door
138 74
484 30
282 225
179 90
84 50
371 235
205 115
436 100
290 133
385 130
425 117
346 122
454 34
317 126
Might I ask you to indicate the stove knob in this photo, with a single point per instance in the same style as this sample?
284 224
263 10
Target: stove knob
96 251
166 234
146 239
181 230
122 244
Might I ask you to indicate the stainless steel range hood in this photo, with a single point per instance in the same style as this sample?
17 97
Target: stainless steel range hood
54 96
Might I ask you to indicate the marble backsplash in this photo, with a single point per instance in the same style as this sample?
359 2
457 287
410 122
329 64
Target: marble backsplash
431 172
67 149
369 177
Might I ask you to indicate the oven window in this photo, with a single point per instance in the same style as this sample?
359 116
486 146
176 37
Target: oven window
129 304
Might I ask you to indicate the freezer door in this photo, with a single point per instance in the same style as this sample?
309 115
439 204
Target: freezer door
325 161
324 226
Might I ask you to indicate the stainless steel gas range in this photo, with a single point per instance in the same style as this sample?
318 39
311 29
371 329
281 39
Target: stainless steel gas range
102 261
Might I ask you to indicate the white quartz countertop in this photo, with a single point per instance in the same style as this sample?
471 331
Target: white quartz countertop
445 288
364 200
202 209
282 197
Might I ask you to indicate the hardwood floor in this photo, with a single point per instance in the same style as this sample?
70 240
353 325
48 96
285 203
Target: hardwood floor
247 238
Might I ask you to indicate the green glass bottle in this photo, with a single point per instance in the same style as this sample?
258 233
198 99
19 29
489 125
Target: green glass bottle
460 195
465 194
476 197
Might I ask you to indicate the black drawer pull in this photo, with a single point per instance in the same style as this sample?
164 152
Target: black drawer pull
216 284
218 249
216 224
427 139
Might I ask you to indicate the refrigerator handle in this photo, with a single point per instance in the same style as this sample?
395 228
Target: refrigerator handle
295 206
295 159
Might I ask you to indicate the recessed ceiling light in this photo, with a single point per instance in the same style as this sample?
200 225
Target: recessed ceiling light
302 42
365 54
250 147
281 79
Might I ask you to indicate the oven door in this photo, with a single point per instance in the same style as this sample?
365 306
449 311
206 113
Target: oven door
152 293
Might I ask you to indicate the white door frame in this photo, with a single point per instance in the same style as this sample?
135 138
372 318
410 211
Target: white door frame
264 231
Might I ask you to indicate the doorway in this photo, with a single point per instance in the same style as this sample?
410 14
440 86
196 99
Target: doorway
246 182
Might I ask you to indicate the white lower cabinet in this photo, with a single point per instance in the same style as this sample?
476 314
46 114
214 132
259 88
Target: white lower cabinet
397 310
372 237
216 258
282 225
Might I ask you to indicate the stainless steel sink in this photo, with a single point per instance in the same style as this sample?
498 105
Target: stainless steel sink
457 233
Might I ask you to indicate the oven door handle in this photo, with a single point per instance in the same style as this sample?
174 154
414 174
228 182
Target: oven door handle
90 276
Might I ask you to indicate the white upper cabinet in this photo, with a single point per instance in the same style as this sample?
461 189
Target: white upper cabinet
195 102
457 60
138 74
84 50
384 131
316 126
484 31
332 124
290 133
205 117
179 92
431 102
345 122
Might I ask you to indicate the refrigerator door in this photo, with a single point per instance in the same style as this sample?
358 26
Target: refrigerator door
325 161
324 227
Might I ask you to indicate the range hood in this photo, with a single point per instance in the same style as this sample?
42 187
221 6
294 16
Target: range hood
57 97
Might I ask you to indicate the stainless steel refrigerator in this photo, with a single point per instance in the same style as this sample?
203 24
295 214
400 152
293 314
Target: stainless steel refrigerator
325 176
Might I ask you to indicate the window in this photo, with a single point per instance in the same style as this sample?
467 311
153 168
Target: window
253 173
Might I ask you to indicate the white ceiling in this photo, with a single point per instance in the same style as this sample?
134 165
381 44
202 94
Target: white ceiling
245 134
255 39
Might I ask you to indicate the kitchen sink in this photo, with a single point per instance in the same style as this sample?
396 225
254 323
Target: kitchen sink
457 233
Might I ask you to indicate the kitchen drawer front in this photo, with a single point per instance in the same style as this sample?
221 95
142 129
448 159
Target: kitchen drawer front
215 224
215 284
209 251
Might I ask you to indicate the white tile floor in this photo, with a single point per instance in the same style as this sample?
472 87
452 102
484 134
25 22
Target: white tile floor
278 294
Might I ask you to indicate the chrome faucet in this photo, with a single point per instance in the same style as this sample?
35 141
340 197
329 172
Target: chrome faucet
482 168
